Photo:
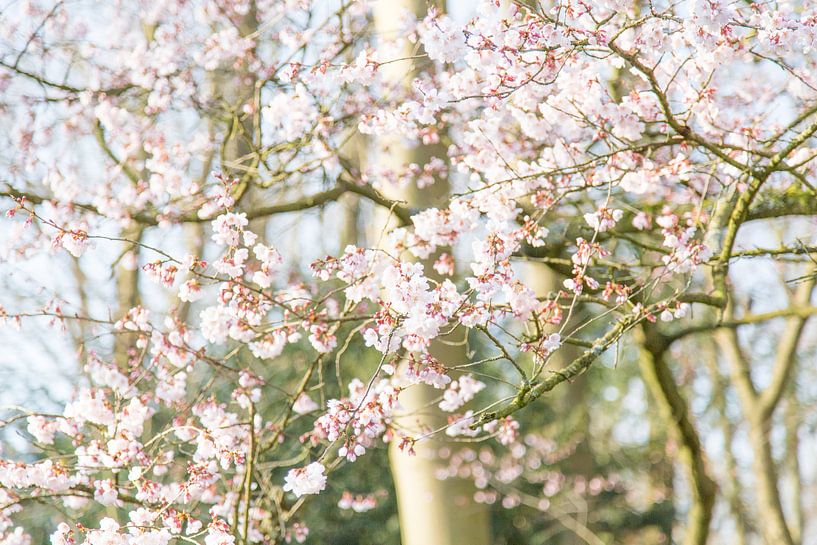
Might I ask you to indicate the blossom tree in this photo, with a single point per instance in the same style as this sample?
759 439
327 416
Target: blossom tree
657 157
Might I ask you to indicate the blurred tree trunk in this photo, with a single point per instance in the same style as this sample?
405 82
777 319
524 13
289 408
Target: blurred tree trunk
758 410
127 268
432 511
237 89
791 464
574 401
677 416
731 484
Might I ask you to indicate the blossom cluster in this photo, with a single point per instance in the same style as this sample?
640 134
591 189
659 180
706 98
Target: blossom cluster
577 138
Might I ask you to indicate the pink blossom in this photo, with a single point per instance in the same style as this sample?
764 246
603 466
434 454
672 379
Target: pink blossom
304 404
42 429
460 392
306 480
227 228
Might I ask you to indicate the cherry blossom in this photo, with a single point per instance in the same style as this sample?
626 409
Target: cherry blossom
306 480
259 241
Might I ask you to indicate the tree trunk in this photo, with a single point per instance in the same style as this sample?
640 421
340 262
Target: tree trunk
434 511
431 511
678 418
